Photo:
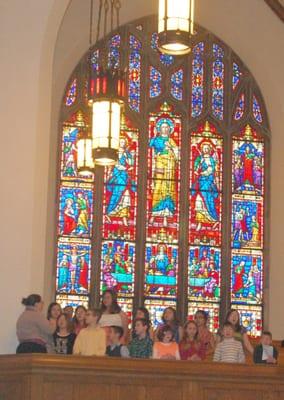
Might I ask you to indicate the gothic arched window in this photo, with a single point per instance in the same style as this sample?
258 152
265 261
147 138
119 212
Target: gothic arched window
180 219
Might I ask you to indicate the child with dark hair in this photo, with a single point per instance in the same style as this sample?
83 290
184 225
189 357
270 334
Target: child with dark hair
79 319
91 341
166 348
229 349
63 337
170 319
240 332
190 347
142 312
115 348
203 333
265 352
141 346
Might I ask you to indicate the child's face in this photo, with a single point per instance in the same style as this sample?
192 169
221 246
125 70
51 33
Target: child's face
169 315
266 340
61 322
200 319
113 336
140 329
228 332
168 336
234 318
191 330
140 314
91 318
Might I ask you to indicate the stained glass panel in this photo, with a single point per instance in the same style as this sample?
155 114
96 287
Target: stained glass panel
71 93
72 300
120 190
134 74
75 209
218 82
197 79
212 311
73 266
161 266
117 271
155 82
156 309
206 159
163 176
236 75
251 319
204 273
240 108
256 110
246 277
95 60
114 53
165 59
177 84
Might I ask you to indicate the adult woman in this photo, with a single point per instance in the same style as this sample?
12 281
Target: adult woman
111 313
79 319
33 329
169 318
204 335
233 317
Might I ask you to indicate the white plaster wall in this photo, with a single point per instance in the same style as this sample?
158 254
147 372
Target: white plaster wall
33 72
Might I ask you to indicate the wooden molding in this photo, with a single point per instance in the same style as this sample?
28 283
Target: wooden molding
277 6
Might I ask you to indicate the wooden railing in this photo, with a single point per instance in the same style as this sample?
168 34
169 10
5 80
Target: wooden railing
52 377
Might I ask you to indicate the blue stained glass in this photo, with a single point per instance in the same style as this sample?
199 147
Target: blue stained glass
95 60
256 110
177 83
236 75
71 93
240 108
114 54
218 82
197 80
134 74
166 59
155 79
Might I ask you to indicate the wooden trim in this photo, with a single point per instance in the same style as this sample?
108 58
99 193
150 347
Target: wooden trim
277 7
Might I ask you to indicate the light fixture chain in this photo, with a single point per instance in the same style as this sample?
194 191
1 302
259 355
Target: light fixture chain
106 7
117 6
99 19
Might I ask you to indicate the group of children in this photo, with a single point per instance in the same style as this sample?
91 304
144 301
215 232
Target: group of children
83 335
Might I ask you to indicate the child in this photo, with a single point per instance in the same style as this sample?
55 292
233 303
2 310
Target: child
166 348
204 334
141 346
79 319
190 347
142 312
91 341
229 350
116 349
265 352
63 337
169 318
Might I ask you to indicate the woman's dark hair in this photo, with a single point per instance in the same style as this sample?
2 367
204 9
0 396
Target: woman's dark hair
175 320
114 308
145 311
162 332
238 327
185 336
70 326
75 321
50 307
31 300
203 313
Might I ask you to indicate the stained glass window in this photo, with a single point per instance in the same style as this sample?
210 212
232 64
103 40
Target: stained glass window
182 213
155 82
177 83
240 108
218 82
247 227
197 80
71 93
134 74
256 110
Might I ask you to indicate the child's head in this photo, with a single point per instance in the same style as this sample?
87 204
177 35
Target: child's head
80 314
266 338
92 316
169 315
141 326
68 310
53 311
190 330
64 322
201 318
228 330
115 334
233 317
142 312
165 334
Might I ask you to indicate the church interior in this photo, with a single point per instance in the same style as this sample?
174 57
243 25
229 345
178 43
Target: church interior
172 201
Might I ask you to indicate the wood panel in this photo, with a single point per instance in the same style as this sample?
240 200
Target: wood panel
52 377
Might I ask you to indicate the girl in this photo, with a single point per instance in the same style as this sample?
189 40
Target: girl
143 313
166 348
53 312
79 319
63 337
203 333
190 347
240 334
169 318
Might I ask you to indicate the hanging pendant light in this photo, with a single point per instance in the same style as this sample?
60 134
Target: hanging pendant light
175 26
85 163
